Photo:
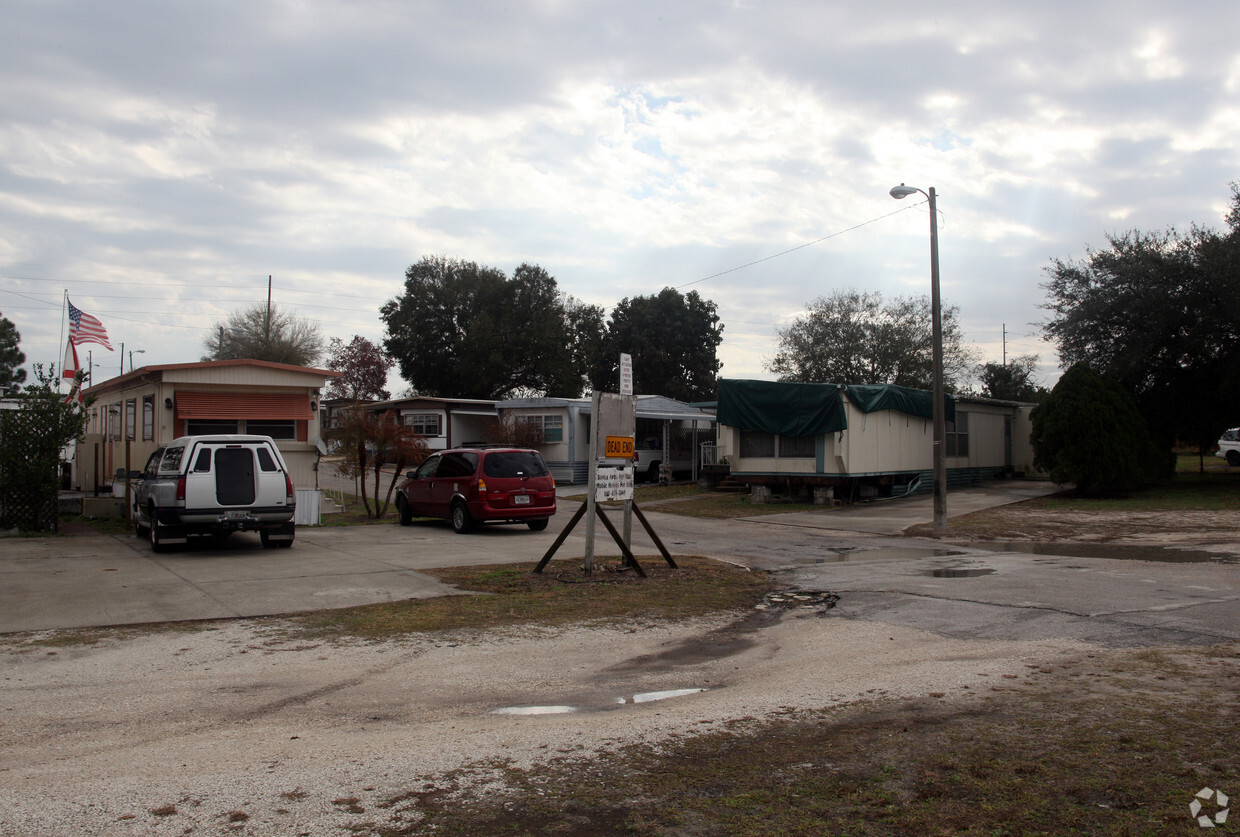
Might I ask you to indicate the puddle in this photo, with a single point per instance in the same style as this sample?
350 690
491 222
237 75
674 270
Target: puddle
1127 552
640 697
648 697
790 599
882 553
534 710
961 572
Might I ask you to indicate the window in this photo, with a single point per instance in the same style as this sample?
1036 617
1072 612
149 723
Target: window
210 427
457 465
427 469
798 447
958 435
148 418
755 443
152 464
276 429
552 427
131 419
114 420
172 459
424 425
202 465
265 460
514 464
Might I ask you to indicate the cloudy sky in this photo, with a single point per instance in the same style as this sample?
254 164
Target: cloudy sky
159 160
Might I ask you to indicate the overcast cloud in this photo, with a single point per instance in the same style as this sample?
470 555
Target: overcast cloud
160 159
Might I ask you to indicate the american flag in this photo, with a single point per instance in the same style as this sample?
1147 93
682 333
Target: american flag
83 328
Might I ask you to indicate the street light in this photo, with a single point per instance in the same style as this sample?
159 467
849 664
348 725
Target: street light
133 352
940 421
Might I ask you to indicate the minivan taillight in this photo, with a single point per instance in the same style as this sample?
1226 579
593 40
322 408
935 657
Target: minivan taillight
181 490
482 486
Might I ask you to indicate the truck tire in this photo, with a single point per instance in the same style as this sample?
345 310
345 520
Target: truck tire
157 543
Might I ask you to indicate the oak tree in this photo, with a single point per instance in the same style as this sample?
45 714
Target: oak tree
858 337
673 339
464 330
1160 313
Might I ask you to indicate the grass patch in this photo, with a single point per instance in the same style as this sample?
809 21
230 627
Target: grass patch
730 505
77 637
1108 745
1188 491
691 500
512 594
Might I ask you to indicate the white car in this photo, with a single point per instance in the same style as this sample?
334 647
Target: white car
209 486
1229 446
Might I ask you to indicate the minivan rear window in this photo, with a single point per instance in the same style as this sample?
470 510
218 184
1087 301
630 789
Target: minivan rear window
515 463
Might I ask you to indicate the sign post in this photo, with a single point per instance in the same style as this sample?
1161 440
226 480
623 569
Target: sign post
613 433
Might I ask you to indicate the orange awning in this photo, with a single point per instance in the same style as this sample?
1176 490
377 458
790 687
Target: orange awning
233 405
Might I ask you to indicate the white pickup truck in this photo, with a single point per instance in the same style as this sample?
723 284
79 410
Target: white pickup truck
210 486
1229 446
646 464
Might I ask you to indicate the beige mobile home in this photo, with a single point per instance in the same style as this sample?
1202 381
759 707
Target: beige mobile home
133 414
863 441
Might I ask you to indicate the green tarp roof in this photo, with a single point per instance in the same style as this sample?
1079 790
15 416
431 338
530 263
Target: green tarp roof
813 409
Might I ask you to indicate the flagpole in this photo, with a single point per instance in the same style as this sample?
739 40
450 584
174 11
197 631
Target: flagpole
64 308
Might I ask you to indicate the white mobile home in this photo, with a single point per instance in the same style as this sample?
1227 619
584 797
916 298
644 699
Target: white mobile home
673 428
863 440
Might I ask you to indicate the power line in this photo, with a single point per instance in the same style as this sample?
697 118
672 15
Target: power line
800 246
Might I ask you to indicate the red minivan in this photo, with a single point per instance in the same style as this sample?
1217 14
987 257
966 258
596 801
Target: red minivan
479 485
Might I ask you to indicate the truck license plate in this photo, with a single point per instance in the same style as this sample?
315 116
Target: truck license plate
235 515
521 499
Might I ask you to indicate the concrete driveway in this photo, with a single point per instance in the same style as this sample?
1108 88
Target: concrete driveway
857 553
98 580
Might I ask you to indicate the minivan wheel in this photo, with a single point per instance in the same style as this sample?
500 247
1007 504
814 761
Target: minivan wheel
403 511
461 521
537 525
1233 457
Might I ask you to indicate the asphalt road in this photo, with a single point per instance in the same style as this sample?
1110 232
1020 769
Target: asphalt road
77 582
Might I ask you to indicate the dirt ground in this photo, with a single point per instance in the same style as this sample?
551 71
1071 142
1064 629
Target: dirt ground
785 721
1033 521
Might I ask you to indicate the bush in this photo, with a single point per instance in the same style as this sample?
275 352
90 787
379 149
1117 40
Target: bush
1089 432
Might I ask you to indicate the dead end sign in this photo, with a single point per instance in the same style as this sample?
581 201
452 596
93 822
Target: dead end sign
619 447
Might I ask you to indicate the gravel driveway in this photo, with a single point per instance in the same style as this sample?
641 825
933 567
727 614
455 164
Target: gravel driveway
242 729
239 730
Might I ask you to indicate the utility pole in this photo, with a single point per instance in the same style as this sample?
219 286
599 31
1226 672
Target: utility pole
1005 344
267 336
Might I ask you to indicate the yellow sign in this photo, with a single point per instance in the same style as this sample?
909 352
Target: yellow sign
619 447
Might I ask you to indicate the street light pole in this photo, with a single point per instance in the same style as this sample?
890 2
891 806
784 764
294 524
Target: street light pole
940 419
